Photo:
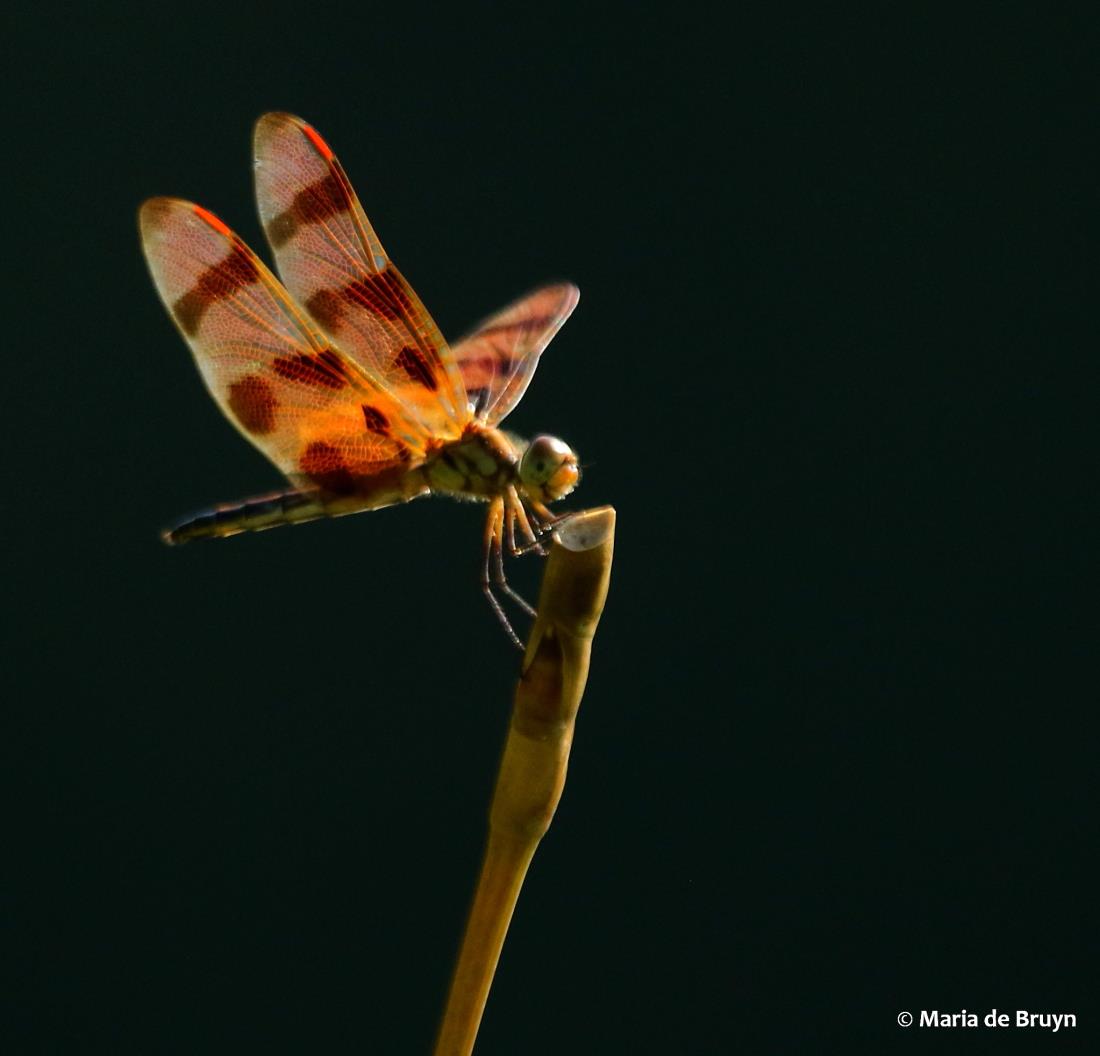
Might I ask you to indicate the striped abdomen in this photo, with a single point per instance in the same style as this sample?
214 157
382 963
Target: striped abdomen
251 515
291 507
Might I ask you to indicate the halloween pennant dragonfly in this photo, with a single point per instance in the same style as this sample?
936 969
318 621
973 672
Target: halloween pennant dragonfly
339 375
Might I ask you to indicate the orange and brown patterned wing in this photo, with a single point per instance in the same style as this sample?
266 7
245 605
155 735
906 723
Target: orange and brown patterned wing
333 264
499 358
283 385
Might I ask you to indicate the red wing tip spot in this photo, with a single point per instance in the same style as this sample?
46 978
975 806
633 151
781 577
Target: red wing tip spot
315 138
212 220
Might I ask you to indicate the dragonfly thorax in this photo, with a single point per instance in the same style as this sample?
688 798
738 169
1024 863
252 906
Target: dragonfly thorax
485 462
479 465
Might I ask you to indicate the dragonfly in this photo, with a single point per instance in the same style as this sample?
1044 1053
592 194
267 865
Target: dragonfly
340 376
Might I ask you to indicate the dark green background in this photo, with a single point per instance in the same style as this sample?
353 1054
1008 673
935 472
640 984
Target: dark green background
834 364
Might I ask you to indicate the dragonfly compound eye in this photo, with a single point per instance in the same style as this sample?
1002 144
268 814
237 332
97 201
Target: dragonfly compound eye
549 468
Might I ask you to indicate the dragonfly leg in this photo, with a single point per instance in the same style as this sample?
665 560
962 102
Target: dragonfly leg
494 530
546 517
519 513
510 522
544 521
511 507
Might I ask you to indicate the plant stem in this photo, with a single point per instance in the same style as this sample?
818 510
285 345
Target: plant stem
536 753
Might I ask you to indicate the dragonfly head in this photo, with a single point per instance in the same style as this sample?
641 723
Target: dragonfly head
548 470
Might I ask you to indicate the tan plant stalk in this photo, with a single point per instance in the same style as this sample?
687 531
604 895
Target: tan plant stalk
536 753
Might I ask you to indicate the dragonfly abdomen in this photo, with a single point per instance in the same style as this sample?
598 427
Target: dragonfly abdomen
249 515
